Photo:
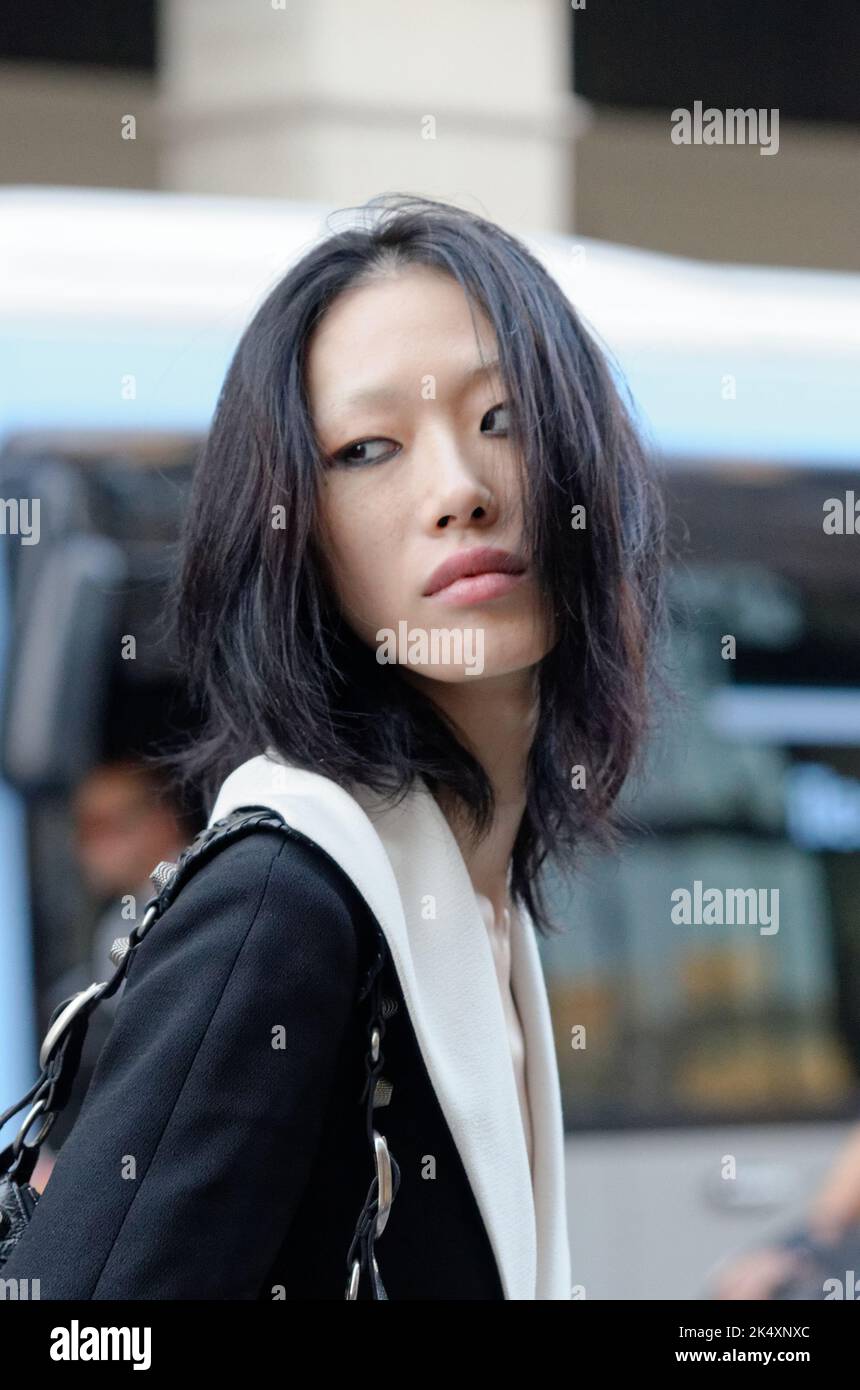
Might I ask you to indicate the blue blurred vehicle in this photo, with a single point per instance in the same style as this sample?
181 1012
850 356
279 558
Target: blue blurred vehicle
120 312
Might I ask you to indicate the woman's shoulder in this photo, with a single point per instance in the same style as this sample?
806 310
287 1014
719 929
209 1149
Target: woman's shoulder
267 856
267 890
221 1061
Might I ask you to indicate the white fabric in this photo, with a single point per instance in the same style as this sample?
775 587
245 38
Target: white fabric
499 934
407 865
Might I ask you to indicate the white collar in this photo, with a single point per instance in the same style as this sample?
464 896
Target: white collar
407 865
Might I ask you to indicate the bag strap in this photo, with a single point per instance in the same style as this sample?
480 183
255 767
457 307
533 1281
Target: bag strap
60 1052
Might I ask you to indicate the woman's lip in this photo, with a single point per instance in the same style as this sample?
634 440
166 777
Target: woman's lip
472 589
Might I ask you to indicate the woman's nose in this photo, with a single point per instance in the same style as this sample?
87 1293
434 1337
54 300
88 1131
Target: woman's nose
459 493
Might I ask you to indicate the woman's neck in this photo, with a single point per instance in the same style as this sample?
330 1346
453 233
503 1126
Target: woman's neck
496 721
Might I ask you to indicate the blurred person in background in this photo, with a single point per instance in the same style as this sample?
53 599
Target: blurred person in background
124 822
832 1224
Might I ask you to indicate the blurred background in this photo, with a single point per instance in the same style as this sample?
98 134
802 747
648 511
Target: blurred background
161 165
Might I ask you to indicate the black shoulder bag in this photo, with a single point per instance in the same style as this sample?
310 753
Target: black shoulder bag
60 1055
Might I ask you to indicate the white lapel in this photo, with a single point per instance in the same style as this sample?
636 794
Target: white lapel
550 1196
406 863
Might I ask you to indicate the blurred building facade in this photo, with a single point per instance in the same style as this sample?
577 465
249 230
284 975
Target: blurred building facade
545 115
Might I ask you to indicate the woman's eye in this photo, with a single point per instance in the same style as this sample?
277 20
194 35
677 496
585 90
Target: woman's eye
499 420
362 451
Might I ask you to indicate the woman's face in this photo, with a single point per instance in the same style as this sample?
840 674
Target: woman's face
415 433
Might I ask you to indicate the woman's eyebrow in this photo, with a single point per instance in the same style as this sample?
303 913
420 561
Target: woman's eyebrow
384 395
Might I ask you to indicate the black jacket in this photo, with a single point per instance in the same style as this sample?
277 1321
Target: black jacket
207 1163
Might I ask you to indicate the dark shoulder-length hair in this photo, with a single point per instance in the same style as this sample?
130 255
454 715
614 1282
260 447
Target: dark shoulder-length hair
268 657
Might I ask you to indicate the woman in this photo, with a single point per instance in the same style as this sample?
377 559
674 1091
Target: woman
419 588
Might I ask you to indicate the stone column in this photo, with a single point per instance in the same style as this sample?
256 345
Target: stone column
333 101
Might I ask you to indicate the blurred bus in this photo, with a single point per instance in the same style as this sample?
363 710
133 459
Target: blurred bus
120 314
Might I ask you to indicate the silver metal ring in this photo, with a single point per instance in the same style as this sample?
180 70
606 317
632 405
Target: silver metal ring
146 921
36 1109
57 1029
385 1185
352 1286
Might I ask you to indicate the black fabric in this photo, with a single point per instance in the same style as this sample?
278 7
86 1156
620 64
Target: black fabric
206 1163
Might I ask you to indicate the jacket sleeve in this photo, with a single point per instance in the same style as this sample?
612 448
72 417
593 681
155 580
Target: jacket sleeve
198 1131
